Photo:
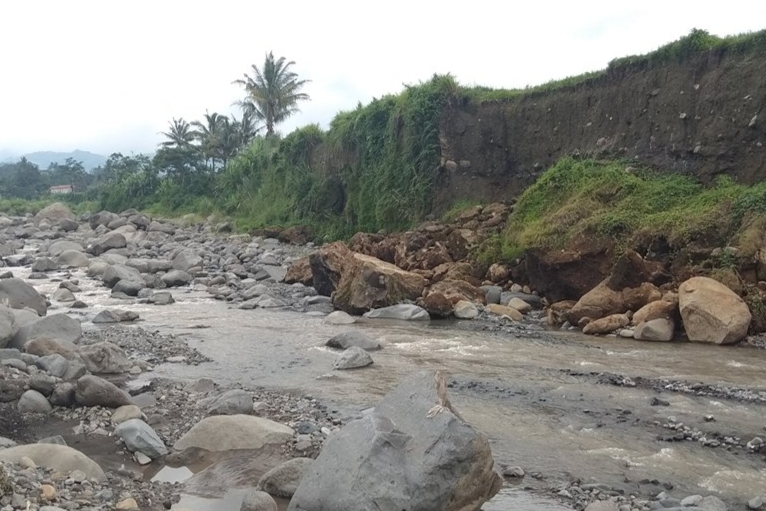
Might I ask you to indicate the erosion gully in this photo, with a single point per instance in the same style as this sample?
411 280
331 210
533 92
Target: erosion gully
532 394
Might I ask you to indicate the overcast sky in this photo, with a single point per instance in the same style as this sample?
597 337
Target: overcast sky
107 76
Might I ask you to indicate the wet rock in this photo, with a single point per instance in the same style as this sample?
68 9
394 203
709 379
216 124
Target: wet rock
33 402
105 357
351 338
59 458
283 480
63 395
339 318
176 278
255 500
352 358
226 432
98 268
17 294
231 402
186 259
117 272
94 391
606 325
433 459
128 287
140 437
465 310
57 326
106 316
659 329
162 298
712 312
402 311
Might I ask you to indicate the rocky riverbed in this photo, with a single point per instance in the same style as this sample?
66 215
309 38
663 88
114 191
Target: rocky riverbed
177 335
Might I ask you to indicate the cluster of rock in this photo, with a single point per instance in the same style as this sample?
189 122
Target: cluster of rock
629 303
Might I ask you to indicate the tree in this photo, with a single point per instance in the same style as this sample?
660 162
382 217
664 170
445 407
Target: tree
273 92
210 135
179 135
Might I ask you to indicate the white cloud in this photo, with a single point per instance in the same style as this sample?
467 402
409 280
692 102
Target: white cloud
107 76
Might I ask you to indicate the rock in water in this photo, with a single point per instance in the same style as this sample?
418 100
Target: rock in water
712 312
339 318
401 311
465 310
352 358
351 338
60 458
140 437
407 454
283 480
659 329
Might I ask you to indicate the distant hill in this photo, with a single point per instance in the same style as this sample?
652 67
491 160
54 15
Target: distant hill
44 158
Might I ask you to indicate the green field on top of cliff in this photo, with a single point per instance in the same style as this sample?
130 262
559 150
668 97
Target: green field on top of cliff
593 201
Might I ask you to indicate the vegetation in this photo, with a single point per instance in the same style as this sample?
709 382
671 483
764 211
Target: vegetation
596 201
273 92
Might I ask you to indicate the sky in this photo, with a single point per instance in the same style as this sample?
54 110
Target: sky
107 76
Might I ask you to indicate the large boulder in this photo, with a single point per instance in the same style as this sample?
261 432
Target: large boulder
33 402
95 391
176 278
654 310
407 454
300 271
186 259
8 326
105 358
102 218
59 458
140 437
43 264
711 312
17 294
54 213
118 272
227 432
352 358
351 338
57 326
282 481
107 242
328 265
59 247
72 259
602 301
369 283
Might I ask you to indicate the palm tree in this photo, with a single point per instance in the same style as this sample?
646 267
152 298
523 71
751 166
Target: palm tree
273 92
211 134
179 135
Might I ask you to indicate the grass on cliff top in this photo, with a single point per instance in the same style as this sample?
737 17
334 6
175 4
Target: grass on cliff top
598 201
686 47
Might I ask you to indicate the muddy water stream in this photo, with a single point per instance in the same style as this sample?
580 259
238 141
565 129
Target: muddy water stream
514 388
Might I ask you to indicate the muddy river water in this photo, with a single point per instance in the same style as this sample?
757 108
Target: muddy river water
527 392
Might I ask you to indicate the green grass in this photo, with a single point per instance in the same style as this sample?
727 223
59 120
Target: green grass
591 200
458 208
16 206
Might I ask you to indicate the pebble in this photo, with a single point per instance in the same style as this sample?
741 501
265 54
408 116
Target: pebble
48 492
755 503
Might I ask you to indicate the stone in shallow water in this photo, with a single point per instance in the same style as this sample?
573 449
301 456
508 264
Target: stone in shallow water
352 358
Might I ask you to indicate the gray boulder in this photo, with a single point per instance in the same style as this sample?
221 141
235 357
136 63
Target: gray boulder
186 259
42 383
8 326
17 294
94 391
176 278
351 338
492 294
129 287
73 259
659 329
401 311
67 225
58 326
44 264
231 402
101 218
162 298
97 268
140 437
283 480
54 213
105 358
352 358
106 317
33 402
54 364
59 458
115 273
113 240
63 295
63 394
406 454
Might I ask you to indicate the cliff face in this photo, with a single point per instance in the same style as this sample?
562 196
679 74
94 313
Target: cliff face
704 117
